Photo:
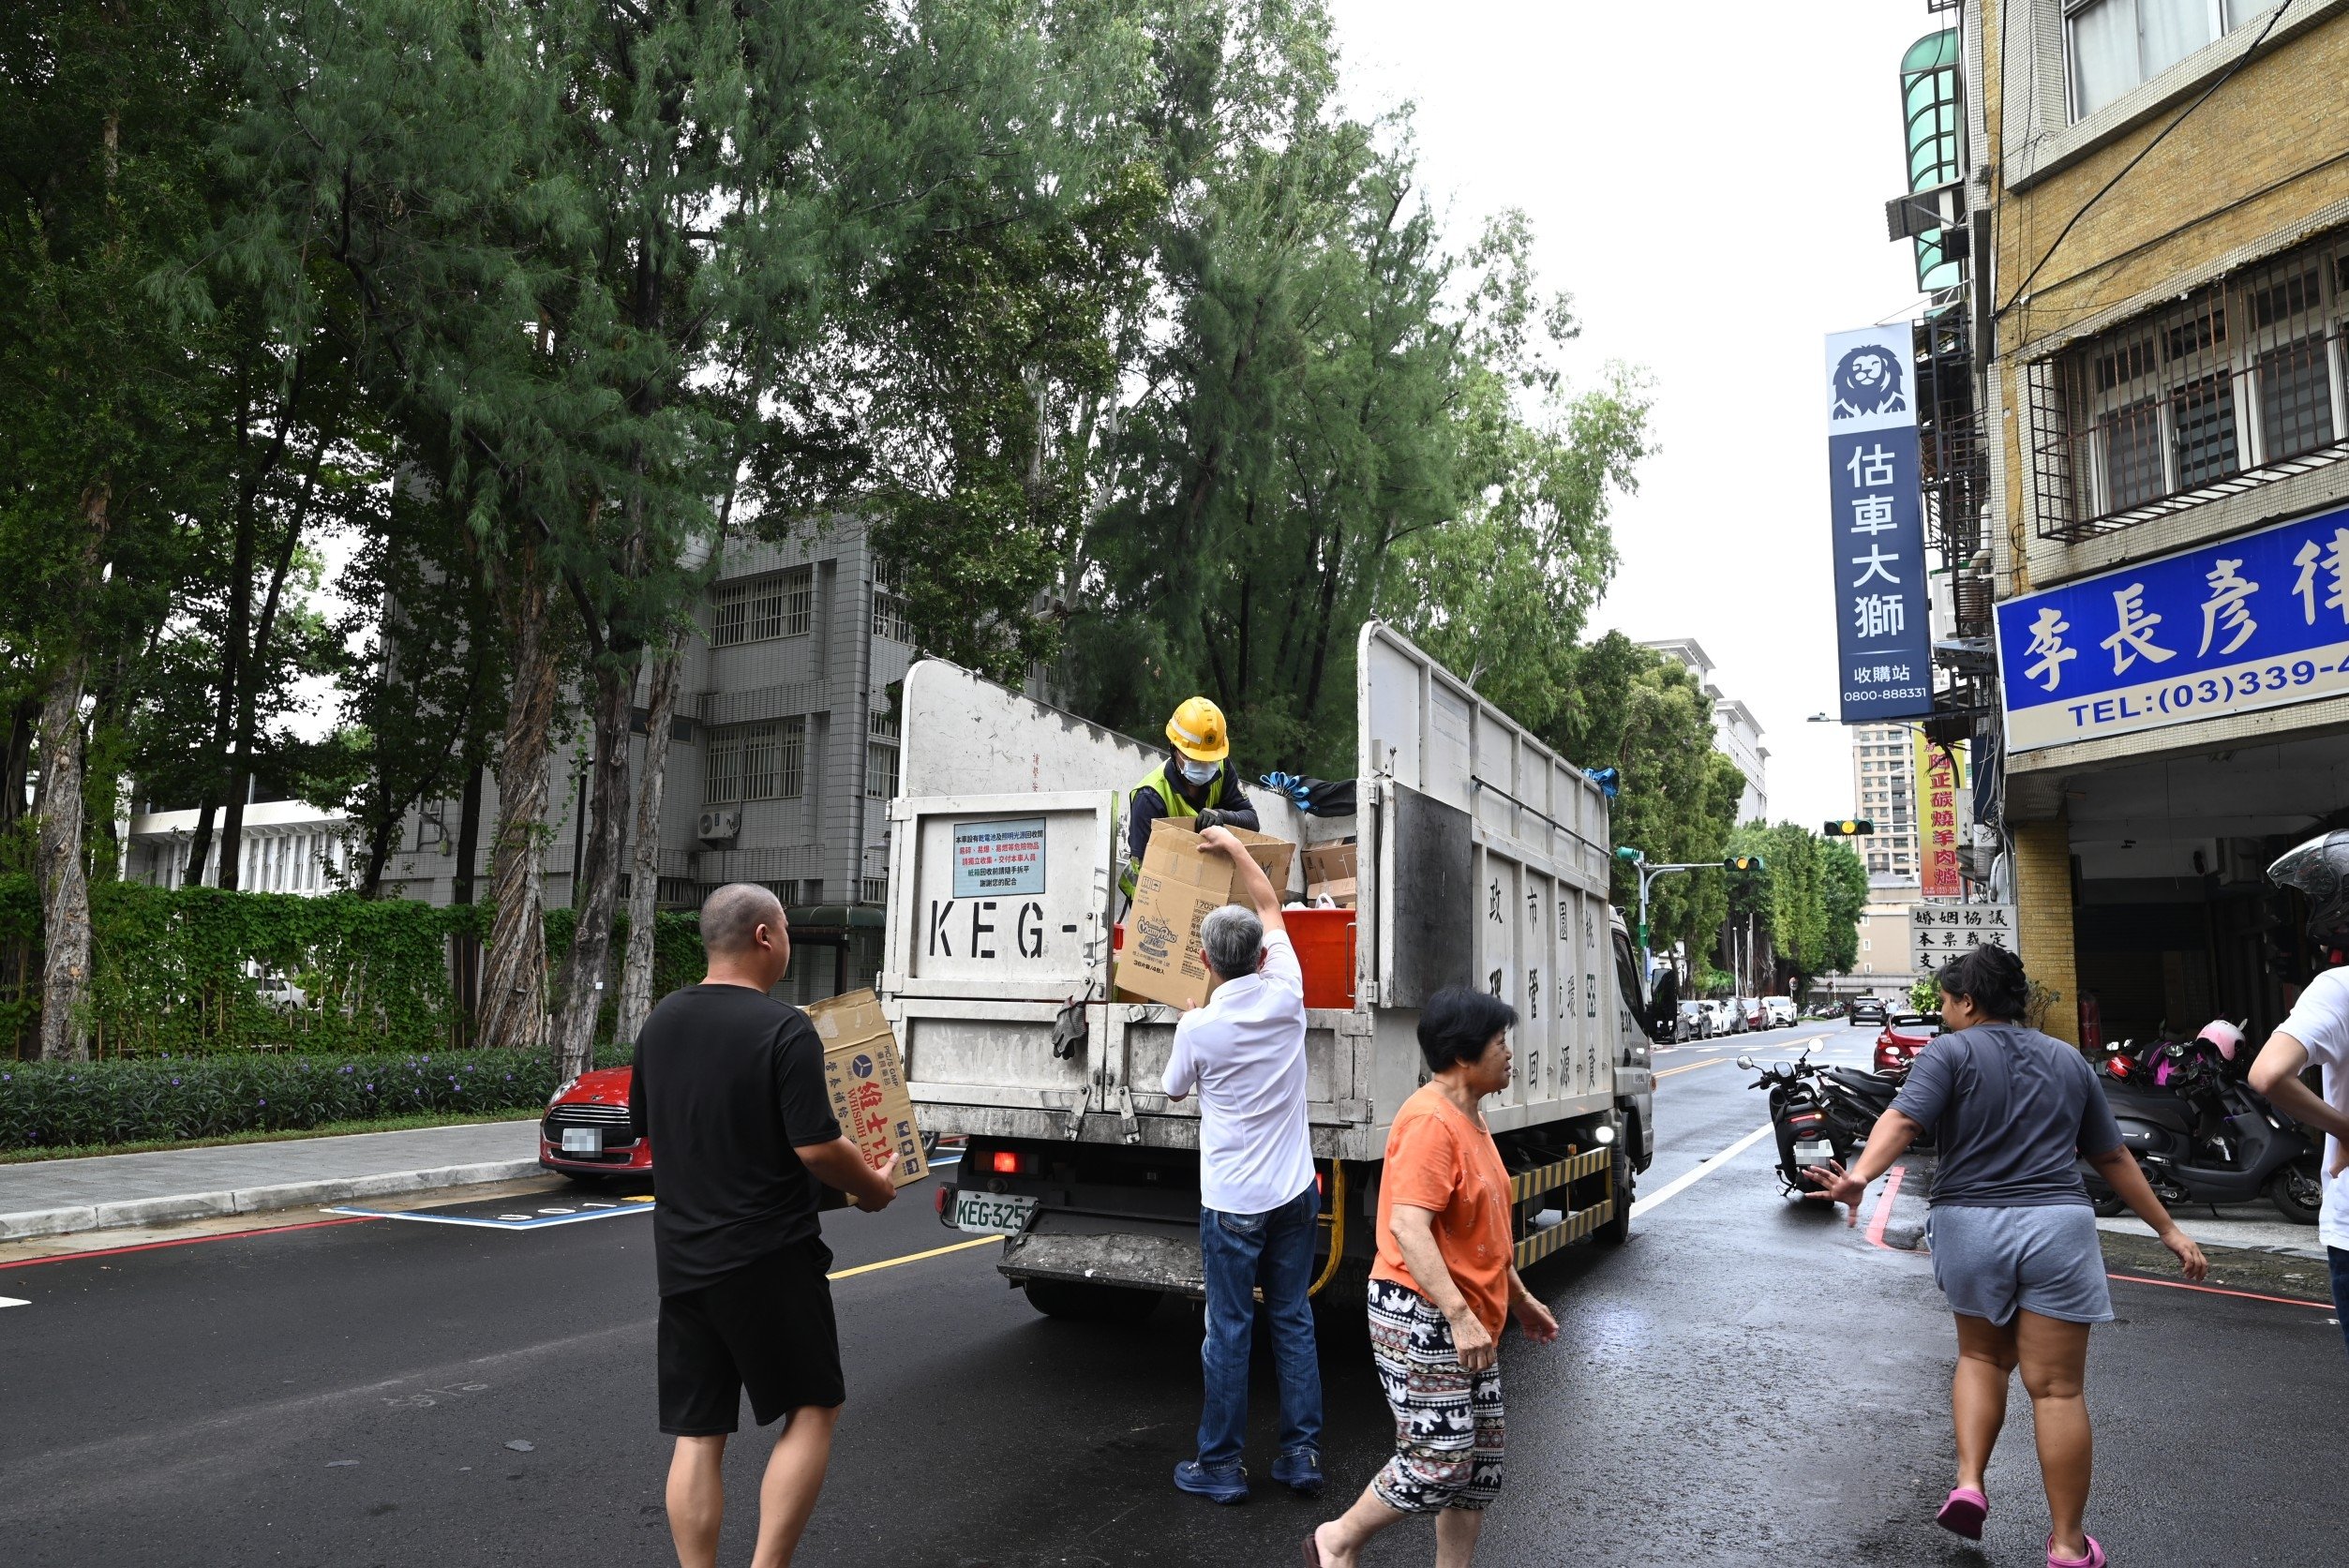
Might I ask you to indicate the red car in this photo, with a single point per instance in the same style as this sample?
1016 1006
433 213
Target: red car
1904 1035
585 1131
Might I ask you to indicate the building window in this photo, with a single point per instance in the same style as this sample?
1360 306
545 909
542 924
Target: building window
889 605
760 610
2112 45
880 771
2236 385
755 762
876 890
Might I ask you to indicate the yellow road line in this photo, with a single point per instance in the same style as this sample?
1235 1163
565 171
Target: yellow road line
1693 1067
913 1257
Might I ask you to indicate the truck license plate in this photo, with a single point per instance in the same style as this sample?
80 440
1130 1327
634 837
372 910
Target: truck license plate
1814 1150
990 1214
583 1140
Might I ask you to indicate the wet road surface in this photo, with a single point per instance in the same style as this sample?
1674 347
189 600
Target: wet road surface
1747 1382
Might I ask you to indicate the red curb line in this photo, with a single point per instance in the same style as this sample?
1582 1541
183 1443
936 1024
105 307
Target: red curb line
1882 1214
185 1241
2215 1290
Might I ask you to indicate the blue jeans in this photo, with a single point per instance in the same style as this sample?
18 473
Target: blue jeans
1241 1252
2340 1258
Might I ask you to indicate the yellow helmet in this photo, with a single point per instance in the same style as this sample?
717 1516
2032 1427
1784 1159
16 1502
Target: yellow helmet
1197 731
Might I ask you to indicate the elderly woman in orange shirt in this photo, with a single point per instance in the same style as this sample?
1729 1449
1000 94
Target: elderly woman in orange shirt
1445 1286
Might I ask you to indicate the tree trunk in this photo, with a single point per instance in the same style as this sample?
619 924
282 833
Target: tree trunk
23 722
465 947
250 657
65 889
514 981
644 876
579 986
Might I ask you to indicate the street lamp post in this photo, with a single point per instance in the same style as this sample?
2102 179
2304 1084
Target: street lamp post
1647 873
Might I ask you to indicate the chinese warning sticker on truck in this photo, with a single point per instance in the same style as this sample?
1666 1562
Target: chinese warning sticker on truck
994 857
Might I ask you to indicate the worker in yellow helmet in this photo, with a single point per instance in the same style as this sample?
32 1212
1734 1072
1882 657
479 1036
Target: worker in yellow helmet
1196 780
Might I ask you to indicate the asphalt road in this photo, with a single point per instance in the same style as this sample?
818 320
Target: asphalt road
1747 1382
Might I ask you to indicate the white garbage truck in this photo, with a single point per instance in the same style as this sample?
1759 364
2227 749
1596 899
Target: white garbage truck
1481 858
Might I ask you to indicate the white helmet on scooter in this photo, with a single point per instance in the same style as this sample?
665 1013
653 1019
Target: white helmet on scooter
2223 1035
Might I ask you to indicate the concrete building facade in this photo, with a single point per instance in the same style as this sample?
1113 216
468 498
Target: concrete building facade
1736 733
1884 792
2163 324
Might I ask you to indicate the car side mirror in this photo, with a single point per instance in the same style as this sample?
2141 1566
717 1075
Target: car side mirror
1664 1007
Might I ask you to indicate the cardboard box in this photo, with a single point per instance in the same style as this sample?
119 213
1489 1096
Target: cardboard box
1330 862
1345 893
867 1079
1180 882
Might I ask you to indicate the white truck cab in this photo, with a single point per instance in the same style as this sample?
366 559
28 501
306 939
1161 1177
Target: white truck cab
1483 860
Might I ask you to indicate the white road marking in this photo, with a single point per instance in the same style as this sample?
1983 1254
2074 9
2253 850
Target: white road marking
1682 1183
12 1301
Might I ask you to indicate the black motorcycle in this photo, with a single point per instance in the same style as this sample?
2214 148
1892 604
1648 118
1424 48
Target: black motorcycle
2209 1139
1809 1132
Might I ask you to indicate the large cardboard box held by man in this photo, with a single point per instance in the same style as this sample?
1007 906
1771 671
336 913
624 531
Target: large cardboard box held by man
867 1079
1181 881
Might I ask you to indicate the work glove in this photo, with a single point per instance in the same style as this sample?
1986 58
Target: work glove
1214 819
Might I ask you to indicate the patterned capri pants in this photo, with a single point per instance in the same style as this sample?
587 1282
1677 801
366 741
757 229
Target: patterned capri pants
1449 1430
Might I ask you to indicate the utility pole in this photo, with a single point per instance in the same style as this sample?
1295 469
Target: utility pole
1647 873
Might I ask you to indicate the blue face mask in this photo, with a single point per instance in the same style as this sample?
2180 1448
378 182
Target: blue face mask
1200 772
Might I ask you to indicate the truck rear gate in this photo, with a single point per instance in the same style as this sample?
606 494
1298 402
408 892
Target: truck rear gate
1483 860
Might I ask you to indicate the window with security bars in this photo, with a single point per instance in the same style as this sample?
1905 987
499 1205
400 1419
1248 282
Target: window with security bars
2237 384
755 762
875 889
890 618
760 610
880 771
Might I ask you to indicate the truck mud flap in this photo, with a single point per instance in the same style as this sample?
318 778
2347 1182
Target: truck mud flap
1089 1249
1575 1224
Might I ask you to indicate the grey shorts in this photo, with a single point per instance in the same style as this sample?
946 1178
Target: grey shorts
2045 1258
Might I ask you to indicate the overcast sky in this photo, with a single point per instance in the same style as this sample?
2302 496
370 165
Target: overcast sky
1708 180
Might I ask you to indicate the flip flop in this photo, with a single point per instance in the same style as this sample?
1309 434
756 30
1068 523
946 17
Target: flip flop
1963 1513
1313 1548
2094 1559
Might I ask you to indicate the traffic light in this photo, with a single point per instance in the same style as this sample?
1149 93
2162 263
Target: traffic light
1851 827
1742 862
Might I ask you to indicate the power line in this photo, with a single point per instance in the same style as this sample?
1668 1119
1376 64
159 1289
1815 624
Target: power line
2224 78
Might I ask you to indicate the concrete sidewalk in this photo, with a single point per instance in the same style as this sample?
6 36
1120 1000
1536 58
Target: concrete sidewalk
54 1197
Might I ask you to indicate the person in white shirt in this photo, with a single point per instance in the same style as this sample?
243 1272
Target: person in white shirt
2318 1031
1243 1052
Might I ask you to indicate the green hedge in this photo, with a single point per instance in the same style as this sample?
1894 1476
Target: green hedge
177 970
63 1104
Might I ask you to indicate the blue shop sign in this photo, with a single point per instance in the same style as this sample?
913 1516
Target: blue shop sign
1884 618
2255 621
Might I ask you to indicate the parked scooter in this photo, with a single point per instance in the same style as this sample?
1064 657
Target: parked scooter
1808 1135
2202 1136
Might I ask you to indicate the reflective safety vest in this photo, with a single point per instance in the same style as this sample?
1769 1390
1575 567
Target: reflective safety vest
1158 783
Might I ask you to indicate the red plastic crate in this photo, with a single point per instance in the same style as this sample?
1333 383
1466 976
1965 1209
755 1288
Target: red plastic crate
1323 939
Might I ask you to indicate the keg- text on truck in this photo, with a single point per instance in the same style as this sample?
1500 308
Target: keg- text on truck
1482 858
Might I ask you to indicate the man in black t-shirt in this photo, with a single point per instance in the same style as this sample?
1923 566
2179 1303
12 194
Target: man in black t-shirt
729 1086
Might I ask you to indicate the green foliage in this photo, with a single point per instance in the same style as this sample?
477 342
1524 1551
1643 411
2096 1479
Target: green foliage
181 970
1808 893
66 1104
1925 995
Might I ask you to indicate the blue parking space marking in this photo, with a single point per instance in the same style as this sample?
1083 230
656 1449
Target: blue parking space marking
521 1216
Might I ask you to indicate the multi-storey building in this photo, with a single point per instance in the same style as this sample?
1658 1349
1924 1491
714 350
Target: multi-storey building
1736 733
1884 792
782 757
2162 188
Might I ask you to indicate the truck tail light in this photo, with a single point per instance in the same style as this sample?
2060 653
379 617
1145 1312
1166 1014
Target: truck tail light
938 1202
1009 1162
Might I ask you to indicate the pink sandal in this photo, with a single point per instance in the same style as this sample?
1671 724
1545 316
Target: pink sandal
2094 1559
1963 1513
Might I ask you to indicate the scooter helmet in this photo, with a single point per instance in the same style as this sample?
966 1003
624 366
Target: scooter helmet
2320 870
2221 1035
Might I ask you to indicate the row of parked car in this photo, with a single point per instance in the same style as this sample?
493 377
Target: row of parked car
1733 1015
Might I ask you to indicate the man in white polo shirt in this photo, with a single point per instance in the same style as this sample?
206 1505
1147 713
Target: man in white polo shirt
2318 1031
1244 1051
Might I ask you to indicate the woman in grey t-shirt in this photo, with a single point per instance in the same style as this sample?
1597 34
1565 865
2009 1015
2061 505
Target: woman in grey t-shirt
2013 1236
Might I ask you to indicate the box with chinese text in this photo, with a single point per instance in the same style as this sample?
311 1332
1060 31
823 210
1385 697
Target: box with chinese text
866 1078
1181 881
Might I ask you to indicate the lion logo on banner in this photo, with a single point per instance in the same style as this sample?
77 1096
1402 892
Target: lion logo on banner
1868 381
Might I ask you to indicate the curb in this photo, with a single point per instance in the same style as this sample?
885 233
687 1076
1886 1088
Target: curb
253 1200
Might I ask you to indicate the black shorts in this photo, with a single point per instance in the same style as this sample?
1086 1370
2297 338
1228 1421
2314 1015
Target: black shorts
766 1327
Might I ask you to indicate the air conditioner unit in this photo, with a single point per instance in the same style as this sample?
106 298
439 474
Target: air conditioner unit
719 827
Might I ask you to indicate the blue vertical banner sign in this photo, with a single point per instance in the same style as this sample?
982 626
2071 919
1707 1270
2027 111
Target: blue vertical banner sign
1884 622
